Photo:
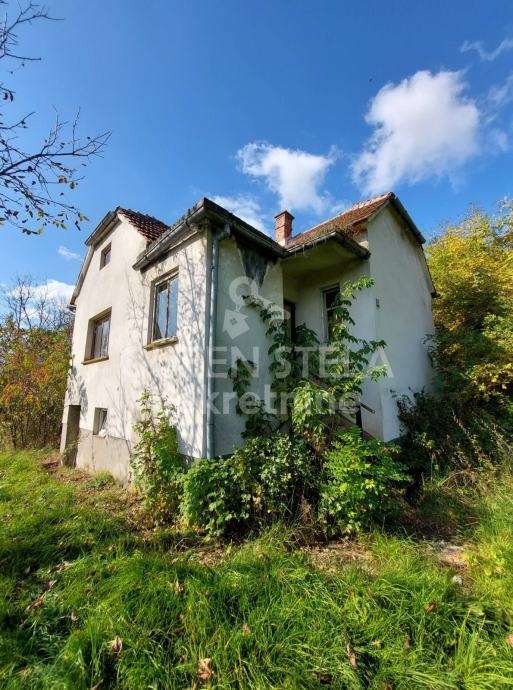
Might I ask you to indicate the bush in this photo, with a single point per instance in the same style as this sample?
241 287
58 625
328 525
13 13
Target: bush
357 485
440 434
33 371
265 481
157 464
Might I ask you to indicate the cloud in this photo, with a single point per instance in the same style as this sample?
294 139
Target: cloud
296 176
484 55
68 254
423 127
54 290
500 95
244 206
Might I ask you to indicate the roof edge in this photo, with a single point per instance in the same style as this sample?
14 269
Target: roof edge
345 241
206 209
396 202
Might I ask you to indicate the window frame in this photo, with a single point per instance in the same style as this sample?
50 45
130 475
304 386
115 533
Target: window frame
168 280
106 252
327 310
95 323
101 415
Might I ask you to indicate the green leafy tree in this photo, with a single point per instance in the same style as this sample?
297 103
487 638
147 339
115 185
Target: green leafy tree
472 269
35 343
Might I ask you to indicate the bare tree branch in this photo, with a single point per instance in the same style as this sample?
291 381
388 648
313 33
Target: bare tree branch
29 305
33 184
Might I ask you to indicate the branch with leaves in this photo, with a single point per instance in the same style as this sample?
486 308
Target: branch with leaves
313 393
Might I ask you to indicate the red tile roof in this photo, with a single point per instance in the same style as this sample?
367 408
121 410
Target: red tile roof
149 227
345 222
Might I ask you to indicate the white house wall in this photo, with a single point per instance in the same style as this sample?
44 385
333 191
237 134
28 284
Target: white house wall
404 317
173 371
252 342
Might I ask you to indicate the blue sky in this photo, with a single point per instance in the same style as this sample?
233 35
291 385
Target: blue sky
261 105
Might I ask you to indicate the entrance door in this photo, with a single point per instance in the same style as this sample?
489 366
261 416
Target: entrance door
72 433
290 314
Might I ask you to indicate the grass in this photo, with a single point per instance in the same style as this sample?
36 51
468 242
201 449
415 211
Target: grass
93 600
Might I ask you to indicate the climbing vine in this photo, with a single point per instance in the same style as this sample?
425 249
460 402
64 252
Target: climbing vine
311 381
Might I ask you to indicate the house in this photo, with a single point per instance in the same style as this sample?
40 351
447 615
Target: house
161 307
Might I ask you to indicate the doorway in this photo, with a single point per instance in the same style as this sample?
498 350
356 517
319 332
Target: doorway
72 434
290 316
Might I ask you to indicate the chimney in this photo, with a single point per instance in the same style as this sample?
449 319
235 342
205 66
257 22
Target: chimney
283 227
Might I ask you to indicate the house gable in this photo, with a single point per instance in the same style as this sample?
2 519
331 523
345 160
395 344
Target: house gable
148 227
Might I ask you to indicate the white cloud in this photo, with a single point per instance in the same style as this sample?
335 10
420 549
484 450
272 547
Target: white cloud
244 206
68 254
295 176
485 55
502 94
423 127
55 290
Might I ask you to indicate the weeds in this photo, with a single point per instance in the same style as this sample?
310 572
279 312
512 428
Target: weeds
86 599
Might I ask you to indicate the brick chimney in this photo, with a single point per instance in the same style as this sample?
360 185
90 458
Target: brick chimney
283 227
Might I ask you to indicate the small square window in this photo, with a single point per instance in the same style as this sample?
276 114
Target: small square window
105 256
329 297
100 339
100 421
165 309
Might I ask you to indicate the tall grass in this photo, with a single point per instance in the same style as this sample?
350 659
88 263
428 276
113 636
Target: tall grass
265 613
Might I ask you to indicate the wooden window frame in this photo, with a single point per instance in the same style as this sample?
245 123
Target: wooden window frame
327 310
104 348
106 252
164 280
101 415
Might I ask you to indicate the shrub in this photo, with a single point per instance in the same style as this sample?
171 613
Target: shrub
357 486
265 481
33 371
157 464
441 434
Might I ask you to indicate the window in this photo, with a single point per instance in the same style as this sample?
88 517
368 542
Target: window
164 309
100 421
329 296
100 339
105 256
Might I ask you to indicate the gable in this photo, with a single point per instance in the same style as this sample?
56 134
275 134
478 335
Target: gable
396 249
352 221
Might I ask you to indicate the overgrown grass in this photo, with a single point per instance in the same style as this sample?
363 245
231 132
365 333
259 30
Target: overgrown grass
75 574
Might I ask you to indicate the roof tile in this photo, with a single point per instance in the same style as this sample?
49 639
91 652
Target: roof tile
148 226
345 222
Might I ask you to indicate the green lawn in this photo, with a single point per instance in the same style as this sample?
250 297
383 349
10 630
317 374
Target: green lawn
91 599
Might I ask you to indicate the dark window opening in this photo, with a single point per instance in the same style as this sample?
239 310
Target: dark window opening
105 256
290 318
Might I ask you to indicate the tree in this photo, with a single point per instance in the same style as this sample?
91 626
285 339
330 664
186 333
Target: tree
33 182
472 269
30 305
35 341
